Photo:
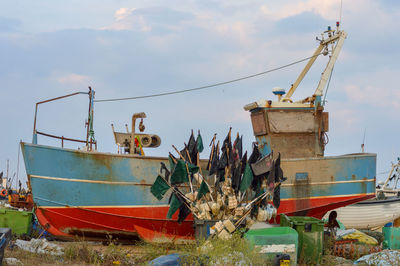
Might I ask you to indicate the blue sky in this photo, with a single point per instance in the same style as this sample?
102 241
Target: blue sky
131 48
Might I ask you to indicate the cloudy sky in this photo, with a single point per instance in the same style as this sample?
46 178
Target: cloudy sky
130 48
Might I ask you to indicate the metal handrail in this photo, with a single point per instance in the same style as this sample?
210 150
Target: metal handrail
64 138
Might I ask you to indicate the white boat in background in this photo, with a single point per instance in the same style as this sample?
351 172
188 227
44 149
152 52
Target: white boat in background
375 213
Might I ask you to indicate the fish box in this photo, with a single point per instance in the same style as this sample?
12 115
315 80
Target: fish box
392 237
311 234
275 241
20 222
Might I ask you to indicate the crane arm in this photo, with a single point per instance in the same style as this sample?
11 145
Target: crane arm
339 37
329 67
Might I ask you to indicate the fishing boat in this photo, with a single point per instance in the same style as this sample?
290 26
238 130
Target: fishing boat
97 195
375 213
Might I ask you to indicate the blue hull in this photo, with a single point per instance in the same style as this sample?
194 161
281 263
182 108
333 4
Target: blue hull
62 179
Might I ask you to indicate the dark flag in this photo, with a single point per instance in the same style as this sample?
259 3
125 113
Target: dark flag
203 190
278 178
174 203
199 143
191 143
214 164
254 157
278 169
221 175
192 149
166 171
237 148
159 188
172 161
277 196
271 176
184 211
185 153
236 173
193 155
243 162
226 149
223 161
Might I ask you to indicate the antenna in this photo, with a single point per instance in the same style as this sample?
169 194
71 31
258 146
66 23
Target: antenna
363 142
340 15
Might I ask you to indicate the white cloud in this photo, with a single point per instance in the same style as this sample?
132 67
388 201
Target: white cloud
73 79
123 13
126 19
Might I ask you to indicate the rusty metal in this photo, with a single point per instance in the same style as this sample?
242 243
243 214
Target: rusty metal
259 123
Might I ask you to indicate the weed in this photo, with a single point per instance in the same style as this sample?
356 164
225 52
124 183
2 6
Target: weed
115 255
81 251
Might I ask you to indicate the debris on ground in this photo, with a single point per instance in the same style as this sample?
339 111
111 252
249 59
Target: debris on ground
383 258
236 259
40 246
353 234
351 249
377 235
12 261
334 260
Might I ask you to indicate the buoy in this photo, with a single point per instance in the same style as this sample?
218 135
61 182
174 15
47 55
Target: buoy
3 193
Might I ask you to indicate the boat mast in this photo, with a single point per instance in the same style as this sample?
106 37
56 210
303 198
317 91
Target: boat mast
334 36
90 132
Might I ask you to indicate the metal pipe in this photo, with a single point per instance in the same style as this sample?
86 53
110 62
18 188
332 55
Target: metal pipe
134 117
50 100
64 138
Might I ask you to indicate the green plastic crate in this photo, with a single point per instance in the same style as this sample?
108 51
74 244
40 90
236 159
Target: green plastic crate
275 240
392 237
311 236
20 222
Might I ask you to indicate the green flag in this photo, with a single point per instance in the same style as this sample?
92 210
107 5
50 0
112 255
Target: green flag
171 160
180 174
246 179
199 143
193 168
202 190
173 206
159 188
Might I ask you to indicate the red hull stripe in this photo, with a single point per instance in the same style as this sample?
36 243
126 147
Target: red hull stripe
150 224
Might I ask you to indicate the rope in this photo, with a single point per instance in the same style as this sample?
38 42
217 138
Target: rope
207 86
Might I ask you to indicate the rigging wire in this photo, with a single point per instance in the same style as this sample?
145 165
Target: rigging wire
207 86
327 86
381 173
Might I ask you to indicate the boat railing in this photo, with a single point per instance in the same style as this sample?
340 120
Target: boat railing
66 139
90 140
